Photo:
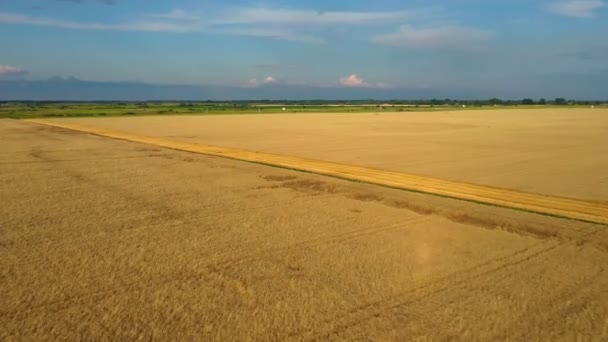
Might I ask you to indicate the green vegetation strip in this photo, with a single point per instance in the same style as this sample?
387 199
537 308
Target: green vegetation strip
544 204
31 110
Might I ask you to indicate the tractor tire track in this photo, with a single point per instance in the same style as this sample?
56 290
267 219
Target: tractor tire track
367 311
268 254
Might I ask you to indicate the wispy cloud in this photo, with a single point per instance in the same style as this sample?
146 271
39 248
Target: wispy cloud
176 14
7 70
354 81
105 2
309 17
257 83
272 66
278 33
158 24
434 37
576 8
297 25
143 25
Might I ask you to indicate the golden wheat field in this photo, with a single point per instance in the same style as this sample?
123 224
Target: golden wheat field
553 151
105 239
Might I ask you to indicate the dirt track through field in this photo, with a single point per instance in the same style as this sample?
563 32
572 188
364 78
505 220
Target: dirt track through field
544 204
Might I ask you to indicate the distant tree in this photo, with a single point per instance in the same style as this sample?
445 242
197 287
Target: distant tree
527 101
560 101
542 102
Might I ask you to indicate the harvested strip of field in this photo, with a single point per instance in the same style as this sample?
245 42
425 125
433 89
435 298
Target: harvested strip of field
545 204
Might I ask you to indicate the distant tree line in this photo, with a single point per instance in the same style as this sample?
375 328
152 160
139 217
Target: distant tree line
498 102
245 103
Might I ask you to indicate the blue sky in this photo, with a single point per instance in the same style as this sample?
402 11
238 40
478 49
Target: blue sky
469 48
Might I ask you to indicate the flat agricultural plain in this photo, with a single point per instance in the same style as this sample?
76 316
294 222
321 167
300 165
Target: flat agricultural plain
549 151
103 239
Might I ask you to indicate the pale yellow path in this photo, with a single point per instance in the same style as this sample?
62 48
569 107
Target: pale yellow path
545 204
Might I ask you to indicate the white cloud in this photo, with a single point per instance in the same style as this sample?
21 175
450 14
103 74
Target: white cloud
143 25
254 82
309 17
576 8
443 36
238 17
7 70
294 25
354 81
176 14
271 32
106 2
169 22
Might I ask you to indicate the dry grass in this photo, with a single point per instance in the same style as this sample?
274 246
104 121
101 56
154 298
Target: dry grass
101 241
